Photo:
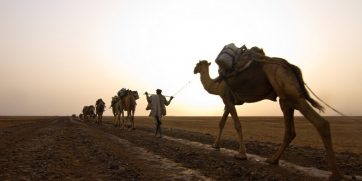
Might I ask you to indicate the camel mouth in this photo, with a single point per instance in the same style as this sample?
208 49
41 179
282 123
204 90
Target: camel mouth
197 69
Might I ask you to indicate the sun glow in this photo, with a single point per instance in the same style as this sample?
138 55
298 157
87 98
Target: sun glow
55 62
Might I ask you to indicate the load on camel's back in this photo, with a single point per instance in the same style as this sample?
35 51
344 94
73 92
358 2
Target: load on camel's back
123 92
232 60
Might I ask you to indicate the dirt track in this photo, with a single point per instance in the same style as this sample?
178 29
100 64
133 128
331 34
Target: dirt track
68 149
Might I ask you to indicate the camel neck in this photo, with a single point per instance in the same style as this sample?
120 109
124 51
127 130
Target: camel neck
209 84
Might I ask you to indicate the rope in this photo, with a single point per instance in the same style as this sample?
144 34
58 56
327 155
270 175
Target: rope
335 110
183 87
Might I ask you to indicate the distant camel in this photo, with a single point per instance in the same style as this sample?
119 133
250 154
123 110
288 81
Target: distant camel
84 111
269 79
129 105
117 108
88 112
100 105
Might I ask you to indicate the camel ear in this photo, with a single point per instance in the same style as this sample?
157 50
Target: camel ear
209 63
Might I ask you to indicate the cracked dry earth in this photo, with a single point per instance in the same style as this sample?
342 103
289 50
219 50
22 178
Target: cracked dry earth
63 148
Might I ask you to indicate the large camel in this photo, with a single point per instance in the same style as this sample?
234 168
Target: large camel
269 79
100 108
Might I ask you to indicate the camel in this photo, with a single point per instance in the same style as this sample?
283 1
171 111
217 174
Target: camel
116 105
100 105
84 111
119 105
129 105
268 79
88 112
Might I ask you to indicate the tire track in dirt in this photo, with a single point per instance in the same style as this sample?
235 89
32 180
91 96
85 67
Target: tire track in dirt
152 166
210 163
310 171
173 171
350 163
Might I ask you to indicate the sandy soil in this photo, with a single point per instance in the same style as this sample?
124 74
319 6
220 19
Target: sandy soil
61 148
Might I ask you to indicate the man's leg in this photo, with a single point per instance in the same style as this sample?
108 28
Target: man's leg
156 124
159 127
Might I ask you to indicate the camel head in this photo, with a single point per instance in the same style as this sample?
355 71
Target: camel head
115 98
201 66
91 109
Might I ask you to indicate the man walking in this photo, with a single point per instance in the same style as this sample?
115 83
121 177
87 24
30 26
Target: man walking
157 103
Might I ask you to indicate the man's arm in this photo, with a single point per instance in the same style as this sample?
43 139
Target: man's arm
148 97
165 100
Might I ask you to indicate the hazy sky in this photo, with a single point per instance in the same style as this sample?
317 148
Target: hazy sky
56 56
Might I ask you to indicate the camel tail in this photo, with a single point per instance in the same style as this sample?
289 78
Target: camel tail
305 92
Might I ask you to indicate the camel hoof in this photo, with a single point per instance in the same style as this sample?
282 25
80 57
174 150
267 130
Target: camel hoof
272 161
216 146
240 156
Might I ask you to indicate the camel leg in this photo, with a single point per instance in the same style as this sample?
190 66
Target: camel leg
129 115
323 129
126 122
122 113
223 119
132 119
237 125
289 132
116 120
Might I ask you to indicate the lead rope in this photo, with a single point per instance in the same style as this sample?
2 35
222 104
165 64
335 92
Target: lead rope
183 87
178 91
335 110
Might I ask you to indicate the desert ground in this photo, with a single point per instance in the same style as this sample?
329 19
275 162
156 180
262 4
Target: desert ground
66 148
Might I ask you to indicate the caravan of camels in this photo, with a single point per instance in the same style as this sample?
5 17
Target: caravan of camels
125 100
245 76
